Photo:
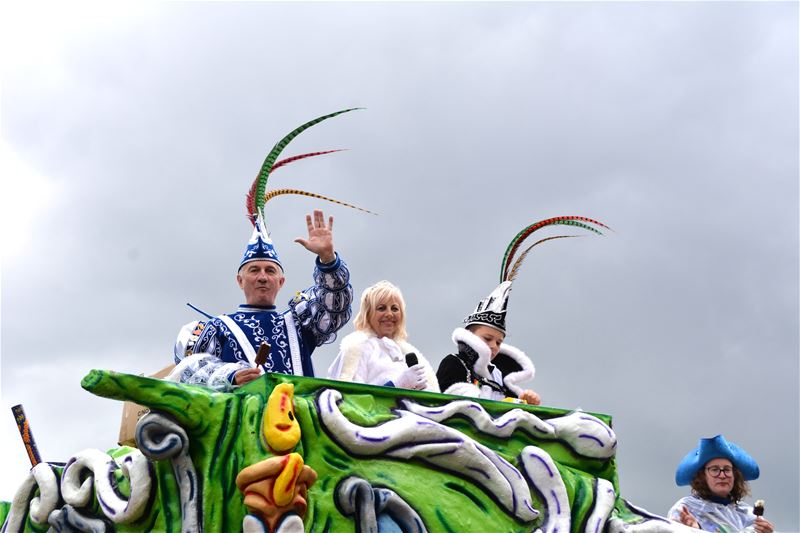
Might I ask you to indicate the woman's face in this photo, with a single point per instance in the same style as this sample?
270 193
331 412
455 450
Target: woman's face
719 477
385 318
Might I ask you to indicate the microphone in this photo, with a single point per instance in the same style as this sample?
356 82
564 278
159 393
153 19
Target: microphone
411 359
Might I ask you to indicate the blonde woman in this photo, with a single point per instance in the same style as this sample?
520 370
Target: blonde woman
377 353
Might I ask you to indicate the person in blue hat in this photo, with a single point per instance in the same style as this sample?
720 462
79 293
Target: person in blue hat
718 472
225 350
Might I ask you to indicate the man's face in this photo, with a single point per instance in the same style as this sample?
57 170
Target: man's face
260 281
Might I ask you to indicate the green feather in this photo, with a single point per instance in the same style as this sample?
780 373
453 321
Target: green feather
520 237
266 168
518 263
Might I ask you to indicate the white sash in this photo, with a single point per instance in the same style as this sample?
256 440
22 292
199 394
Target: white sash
241 338
294 344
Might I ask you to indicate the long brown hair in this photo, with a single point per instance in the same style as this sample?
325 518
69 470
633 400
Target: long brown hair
741 487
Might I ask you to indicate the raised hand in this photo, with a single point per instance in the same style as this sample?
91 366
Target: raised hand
320 237
687 519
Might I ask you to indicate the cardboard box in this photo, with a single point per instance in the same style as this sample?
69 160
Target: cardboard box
132 412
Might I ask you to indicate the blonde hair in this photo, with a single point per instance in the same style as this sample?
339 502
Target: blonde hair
374 295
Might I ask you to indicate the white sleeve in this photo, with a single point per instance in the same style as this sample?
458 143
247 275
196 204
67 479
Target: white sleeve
208 370
348 363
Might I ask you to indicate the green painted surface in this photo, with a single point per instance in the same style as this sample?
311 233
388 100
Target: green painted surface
225 436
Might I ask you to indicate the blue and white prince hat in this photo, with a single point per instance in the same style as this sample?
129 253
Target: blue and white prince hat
260 247
713 448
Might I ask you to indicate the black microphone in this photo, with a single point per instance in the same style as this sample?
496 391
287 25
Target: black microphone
411 359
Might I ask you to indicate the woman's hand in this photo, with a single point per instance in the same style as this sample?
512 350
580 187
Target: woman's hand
762 525
687 519
412 377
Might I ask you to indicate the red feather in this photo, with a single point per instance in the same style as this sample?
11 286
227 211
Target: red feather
250 202
517 241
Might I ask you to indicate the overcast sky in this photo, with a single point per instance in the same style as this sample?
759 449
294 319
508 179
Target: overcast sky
129 140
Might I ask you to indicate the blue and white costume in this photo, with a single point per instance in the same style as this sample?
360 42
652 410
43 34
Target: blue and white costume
228 343
211 353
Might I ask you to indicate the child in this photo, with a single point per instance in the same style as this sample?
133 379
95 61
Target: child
486 367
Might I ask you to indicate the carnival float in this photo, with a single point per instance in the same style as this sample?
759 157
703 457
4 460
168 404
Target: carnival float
289 453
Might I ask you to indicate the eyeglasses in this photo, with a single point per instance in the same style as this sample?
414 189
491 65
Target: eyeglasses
717 471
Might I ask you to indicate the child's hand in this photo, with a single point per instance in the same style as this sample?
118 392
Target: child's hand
530 397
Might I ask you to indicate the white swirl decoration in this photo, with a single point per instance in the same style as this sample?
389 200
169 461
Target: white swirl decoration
161 438
412 436
93 469
40 477
358 498
604 498
586 434
546 479
87 474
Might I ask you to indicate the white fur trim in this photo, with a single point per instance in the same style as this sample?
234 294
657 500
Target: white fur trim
352 349
349 356
513 380
477 344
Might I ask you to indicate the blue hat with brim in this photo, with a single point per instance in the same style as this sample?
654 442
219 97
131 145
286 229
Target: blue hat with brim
713 448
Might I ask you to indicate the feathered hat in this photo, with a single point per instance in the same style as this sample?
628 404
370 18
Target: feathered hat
713 448
492 310
260 246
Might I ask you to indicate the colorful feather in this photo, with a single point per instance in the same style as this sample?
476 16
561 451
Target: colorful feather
512 275
250 202
266 167
294 158
517 241
277 192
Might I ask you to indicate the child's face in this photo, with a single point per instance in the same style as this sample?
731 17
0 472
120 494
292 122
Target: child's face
492 337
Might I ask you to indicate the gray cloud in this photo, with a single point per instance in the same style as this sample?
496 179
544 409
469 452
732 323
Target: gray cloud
674 123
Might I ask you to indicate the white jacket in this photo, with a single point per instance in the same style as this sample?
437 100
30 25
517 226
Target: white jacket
365 358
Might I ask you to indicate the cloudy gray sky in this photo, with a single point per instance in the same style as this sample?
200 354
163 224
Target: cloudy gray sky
129 139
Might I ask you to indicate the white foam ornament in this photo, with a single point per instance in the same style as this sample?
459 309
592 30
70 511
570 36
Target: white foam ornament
412 436
93 469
